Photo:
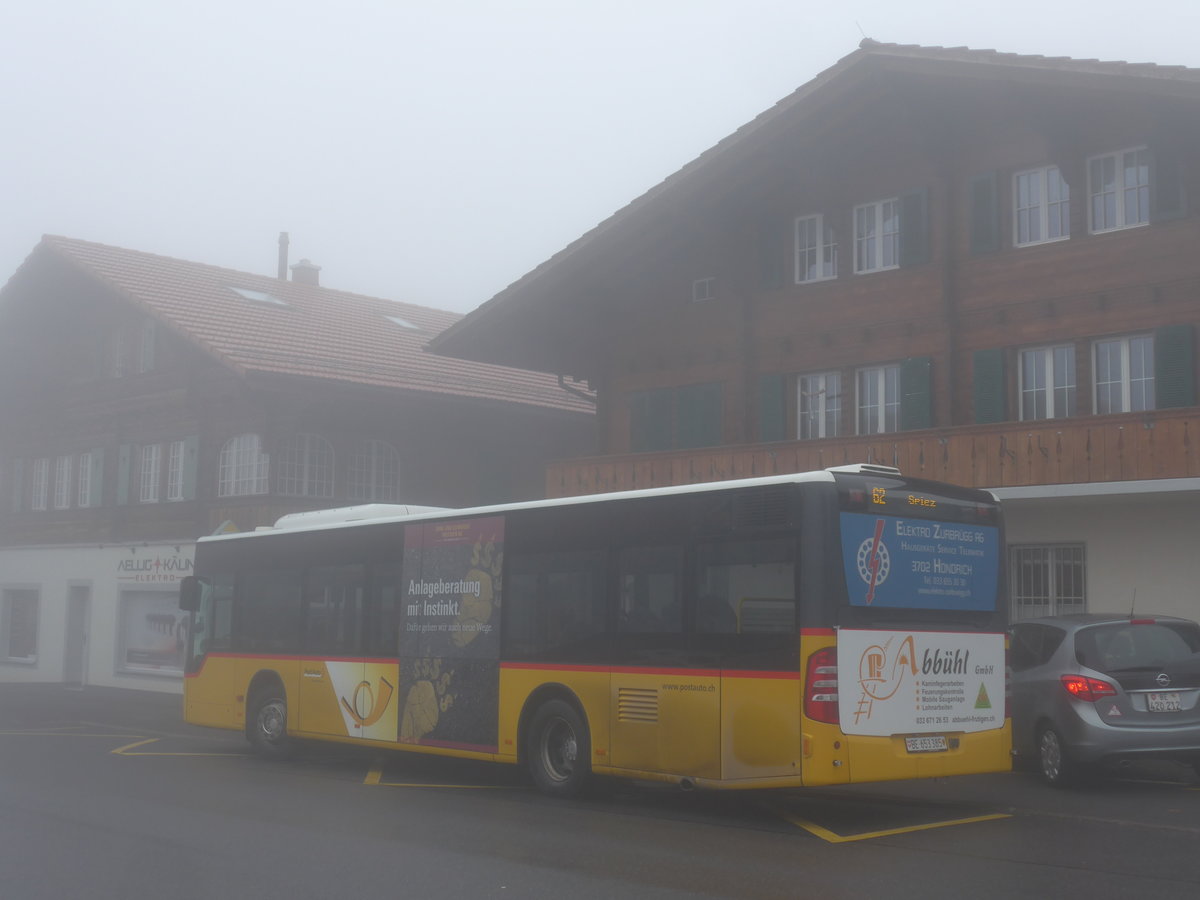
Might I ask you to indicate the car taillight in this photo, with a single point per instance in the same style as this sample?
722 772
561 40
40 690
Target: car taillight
821 687
1090 689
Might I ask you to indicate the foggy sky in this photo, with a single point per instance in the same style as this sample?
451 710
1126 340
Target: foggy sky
431 152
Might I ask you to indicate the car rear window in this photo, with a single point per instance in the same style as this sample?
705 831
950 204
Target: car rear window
1033 645
1134 645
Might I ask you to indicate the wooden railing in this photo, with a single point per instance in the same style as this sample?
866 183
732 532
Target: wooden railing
1129 447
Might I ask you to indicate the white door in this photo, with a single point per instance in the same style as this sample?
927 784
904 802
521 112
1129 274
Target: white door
79 599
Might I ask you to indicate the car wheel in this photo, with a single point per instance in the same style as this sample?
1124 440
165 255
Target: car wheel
267 729
559 750
1056 768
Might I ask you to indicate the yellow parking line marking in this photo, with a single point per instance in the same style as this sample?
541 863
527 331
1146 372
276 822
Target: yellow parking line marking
120 751
125 751
62 729
834 838
375 778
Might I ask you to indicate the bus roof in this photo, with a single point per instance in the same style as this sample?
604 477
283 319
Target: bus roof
292 523
382 513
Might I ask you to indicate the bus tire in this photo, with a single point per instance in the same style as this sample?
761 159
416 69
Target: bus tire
559 750
267 726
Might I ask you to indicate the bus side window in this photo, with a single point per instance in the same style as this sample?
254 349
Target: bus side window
383 616
649 583
333 600
748 587
268 612
554 601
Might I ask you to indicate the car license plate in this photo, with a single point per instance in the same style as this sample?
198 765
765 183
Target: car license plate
1163 702
927 744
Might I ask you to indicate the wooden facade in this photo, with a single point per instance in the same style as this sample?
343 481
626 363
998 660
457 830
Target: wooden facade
689 313
1160 444
91 375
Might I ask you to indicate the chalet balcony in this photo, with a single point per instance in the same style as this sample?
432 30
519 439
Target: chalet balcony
1126 447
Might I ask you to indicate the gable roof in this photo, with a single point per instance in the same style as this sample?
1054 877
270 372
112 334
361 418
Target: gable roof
260 324
495 328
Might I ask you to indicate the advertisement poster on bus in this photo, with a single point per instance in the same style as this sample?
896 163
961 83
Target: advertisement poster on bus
892 561
449 633
905 682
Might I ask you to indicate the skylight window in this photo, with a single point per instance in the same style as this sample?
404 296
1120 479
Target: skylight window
258 296
403 323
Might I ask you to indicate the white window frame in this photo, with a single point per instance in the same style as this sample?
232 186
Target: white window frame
877 399
704 289
244 469
149 473
1056 386
39 485
374 473
877 236
9 595
62 482
1135 390
1123 213
83 481
1034 209
304 467
1059 576
175 453
815 249
818 405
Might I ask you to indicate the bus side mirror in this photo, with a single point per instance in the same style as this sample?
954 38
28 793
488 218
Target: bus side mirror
189 593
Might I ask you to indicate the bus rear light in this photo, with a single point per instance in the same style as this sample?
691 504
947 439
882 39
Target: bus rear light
1089 689
820 687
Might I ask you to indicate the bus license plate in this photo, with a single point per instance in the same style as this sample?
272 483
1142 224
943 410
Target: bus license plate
1163 702
928 744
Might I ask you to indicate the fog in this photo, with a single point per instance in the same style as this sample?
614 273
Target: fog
429 152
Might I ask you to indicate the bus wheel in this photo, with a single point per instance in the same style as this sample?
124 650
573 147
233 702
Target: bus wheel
559 750
268 724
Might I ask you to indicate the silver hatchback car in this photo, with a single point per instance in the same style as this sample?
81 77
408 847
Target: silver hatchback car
1090 689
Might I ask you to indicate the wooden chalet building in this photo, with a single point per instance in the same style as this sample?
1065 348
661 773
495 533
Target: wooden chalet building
975 266
148 401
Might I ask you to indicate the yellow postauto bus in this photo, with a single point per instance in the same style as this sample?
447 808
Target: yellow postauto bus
830 627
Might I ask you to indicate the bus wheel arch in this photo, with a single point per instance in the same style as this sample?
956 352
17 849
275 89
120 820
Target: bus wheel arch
267 715
555 741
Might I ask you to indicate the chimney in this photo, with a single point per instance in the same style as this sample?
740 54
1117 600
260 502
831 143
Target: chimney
283 255
305 272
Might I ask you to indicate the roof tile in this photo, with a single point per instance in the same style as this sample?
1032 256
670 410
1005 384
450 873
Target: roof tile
319 332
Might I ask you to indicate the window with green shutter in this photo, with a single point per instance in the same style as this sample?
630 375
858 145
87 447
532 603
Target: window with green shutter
989 387
1174 367
698 414
651 425
916 400
985 214
772 412
773 239
124 473
1167 198
914 228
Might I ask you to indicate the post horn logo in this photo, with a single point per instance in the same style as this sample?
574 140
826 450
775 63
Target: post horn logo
367 707
881 672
